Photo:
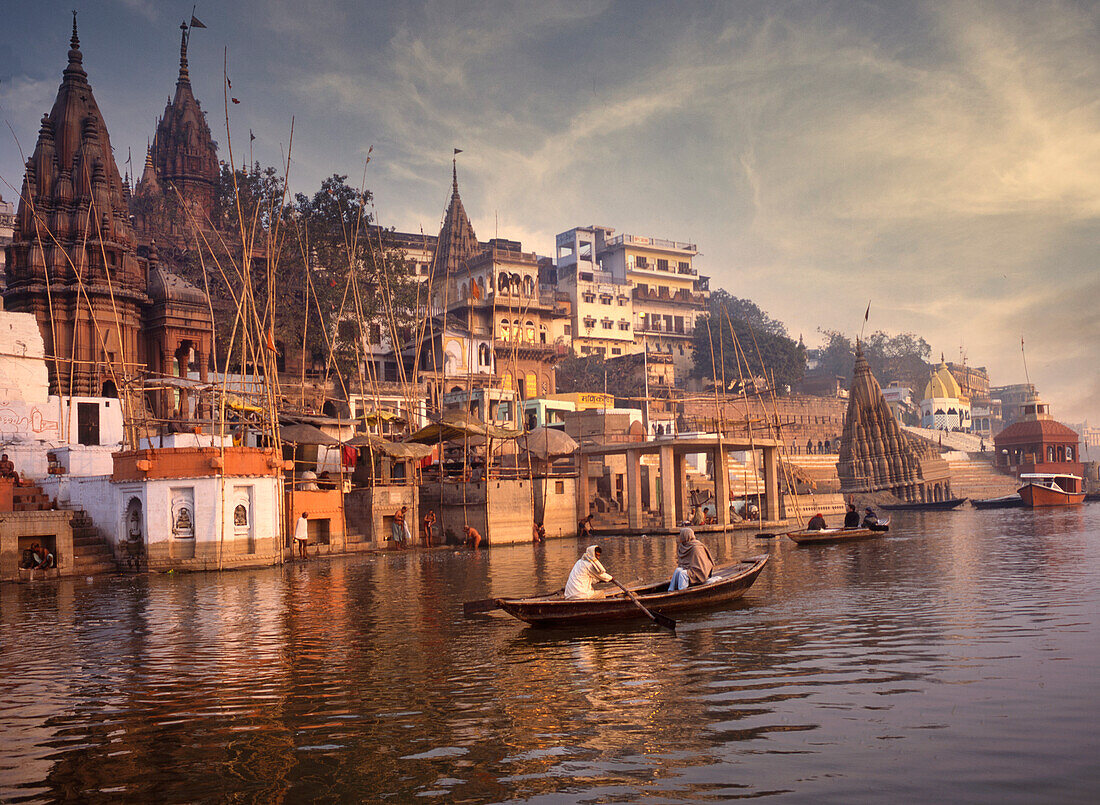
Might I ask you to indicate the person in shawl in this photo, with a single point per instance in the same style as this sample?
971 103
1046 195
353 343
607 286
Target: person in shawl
694 564
586 572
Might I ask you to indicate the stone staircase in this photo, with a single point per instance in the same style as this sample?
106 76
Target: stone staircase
91 554
28 496
952 440
974 476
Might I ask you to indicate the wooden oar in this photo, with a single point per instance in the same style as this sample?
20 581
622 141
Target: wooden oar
489 604
656 617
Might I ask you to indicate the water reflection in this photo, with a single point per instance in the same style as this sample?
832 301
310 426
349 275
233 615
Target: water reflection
965 642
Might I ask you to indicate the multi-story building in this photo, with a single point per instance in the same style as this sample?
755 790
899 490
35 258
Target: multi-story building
1012 399
628 288
490 319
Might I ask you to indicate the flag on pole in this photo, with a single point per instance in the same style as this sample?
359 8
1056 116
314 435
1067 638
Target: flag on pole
868 313
458 151
251 136
196 22
270 341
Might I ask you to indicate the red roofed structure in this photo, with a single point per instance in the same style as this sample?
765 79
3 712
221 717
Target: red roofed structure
1037 443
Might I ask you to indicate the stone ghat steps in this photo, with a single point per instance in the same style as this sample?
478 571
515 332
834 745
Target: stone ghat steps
29 497
91 553
951 440
977 478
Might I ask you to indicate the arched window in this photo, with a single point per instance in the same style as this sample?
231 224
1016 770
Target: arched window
544 334
1069 453
505 330
528 286
506 381
502 283
517 283
1050 453
530 331
465 291
517 330
532 386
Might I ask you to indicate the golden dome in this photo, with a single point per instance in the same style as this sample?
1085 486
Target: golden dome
943 386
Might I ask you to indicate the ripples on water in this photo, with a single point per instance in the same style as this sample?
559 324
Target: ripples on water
956 659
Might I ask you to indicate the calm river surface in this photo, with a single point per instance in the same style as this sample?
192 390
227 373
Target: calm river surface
956 660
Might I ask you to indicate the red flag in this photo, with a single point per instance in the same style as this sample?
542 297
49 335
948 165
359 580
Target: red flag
270 343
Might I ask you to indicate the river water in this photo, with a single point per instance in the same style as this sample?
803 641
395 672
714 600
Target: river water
956 659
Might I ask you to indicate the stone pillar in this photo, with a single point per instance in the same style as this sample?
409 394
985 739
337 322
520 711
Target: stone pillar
582 486
682 505
771 484
634 489
721 486
668 492
166 395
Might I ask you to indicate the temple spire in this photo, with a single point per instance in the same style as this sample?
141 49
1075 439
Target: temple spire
76 58
454 175
185 76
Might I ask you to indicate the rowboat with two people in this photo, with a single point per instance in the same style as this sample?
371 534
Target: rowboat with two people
826 536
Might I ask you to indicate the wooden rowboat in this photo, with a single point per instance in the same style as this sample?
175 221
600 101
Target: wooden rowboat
927 506
727 583
830 535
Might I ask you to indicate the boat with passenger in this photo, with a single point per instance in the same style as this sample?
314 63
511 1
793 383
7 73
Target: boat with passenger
726 584
826 536
1042 489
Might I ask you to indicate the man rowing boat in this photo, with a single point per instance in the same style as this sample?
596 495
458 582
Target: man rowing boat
587 571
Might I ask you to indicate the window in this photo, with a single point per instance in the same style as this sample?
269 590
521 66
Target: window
606 324
87 423
640 262
589 297
624 325
589 322
685 267
616 351
622 301
662 265
559 487
569 329
605 299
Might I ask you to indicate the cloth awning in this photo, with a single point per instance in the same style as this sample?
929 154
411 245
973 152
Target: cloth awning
305 434
548 443
460 425
401 450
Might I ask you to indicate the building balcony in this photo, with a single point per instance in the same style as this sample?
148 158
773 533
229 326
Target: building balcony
652 243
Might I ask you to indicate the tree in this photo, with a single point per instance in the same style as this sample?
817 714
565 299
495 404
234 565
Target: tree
902 357
747 345
588 373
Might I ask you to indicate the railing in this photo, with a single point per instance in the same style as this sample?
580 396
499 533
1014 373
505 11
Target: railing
659 243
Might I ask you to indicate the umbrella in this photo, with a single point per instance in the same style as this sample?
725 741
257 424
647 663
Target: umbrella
403 450
458 424
548 443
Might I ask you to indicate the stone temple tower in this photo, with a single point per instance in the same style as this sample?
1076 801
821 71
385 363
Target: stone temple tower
72 260
876 455
185 156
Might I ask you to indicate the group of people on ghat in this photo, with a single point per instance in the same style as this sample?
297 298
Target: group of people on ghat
694 565
851 519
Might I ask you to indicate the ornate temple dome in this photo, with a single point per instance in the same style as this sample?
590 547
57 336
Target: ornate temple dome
943 385
457 241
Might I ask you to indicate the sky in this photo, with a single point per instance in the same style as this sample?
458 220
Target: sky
938 160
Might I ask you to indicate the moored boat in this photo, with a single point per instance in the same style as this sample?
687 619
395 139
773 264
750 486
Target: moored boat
1012 501
830 535
727 583
928 506
1042 489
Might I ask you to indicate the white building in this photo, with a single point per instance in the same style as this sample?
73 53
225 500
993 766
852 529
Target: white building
944 404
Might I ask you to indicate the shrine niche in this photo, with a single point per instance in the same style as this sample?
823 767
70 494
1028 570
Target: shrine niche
183 513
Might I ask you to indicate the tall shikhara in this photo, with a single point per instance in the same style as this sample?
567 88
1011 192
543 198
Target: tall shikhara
185 157
875 455
457 242
72 261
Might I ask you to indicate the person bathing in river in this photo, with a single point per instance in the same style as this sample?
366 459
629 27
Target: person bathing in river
817 523
429 524
584 527
473 536
587 571
400 529
301 534
851 519
694 564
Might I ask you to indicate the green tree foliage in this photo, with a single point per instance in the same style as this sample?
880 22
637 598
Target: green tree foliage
594 373
746 344
903 357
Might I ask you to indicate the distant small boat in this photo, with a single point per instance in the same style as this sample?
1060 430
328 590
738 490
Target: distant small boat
1042 489
830 535
1013 501
929 506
